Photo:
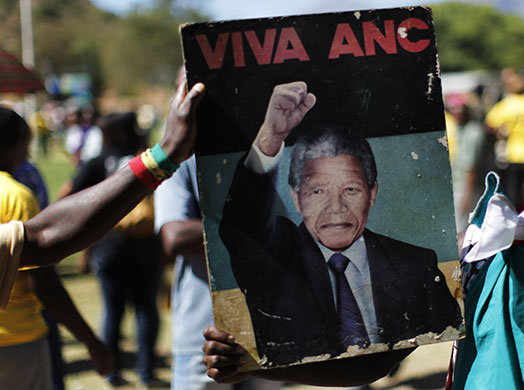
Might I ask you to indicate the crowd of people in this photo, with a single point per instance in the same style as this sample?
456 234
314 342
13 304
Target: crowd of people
166 225
483 136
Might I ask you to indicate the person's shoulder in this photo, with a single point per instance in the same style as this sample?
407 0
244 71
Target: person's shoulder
10 186
17 202
397 247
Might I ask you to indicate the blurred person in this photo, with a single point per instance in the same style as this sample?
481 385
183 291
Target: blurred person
27 174
24 351
506 120
179 225
466 154
178 221
127 260
83 138
41 127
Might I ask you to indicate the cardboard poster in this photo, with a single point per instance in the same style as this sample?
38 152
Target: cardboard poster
325 183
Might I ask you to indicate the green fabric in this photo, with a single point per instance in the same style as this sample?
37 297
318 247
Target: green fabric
492 354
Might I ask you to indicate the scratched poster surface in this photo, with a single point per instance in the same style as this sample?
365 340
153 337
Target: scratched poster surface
325 183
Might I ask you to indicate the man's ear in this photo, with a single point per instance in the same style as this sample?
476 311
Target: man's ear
294 196
374 191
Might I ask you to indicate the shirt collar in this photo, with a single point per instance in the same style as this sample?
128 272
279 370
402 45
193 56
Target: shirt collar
356 252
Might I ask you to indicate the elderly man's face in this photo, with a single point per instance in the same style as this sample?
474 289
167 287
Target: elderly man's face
334 200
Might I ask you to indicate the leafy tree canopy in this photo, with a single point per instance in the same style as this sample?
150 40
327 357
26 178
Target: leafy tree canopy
472 37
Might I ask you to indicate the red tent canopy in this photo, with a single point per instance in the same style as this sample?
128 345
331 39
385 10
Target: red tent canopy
15 77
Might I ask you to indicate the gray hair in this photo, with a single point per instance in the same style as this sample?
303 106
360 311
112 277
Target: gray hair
331 141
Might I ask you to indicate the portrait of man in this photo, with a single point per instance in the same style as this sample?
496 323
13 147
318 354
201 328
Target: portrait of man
330 283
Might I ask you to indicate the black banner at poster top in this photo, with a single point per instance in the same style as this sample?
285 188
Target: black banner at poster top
357 64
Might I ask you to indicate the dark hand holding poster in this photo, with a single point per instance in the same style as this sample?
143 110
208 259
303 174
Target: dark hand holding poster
325 183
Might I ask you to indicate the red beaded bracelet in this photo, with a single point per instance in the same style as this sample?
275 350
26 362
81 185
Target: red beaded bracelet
143 174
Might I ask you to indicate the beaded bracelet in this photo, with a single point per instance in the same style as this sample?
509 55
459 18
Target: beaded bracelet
152 167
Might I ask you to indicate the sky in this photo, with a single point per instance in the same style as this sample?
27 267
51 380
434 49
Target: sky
242 9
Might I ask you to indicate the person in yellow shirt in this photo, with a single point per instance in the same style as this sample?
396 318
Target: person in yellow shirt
506 120
24 351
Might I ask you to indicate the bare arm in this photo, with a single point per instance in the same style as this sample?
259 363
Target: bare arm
49 289
183 238
75 222
223 356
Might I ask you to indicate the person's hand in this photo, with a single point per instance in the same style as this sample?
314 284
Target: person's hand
101 357
179 138
287 107
223 356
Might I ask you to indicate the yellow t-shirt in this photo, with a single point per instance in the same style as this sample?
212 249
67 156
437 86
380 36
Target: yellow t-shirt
21 322
451 132
507 116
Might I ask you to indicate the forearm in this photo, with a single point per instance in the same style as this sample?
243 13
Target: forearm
183 238
75 222
58 303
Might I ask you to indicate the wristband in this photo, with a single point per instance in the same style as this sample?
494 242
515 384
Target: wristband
163 160
153 167
143 174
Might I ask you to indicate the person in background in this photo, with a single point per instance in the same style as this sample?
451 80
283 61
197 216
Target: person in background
127 260
179 225
467 142
178 221
83 138
27 174
25 359
506 120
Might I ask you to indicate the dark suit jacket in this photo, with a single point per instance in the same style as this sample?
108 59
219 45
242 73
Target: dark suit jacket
285 279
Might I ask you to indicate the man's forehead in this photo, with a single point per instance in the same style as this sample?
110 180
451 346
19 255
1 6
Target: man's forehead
343 160
333 166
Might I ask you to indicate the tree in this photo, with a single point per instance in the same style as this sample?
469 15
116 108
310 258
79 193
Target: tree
471 37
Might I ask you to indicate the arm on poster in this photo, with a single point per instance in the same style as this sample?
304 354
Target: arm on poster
223 357
287 106
73 223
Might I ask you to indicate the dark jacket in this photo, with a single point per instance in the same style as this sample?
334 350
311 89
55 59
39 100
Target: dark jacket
285 279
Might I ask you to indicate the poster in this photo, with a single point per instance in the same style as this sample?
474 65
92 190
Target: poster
325 183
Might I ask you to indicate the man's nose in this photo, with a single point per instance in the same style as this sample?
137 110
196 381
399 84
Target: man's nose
337 203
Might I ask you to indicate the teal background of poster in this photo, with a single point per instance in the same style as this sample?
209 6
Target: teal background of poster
414 202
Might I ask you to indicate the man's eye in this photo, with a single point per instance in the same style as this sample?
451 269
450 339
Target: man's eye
351 190
318 191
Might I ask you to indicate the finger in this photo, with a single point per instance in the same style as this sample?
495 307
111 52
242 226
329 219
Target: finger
299 87
223 375
227 375
221 361
193 97
180 94
212 347
295 95
307 104
211 332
